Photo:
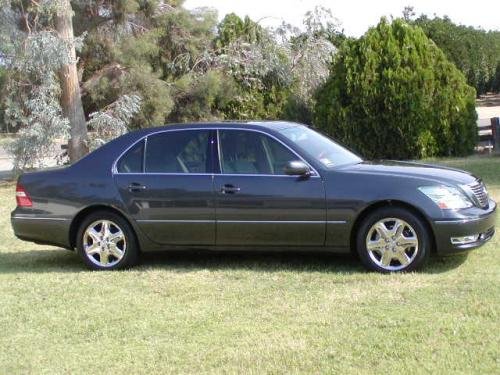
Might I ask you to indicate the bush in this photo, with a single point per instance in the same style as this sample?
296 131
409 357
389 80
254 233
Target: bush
393 94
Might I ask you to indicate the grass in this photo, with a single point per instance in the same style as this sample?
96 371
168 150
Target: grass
253 313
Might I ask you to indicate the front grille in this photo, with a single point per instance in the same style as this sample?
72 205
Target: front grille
480 193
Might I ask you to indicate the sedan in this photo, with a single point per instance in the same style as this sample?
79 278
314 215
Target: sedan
248 186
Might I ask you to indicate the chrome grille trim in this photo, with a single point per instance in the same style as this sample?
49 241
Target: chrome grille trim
480 193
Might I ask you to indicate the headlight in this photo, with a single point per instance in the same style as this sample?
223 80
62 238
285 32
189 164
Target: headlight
447 197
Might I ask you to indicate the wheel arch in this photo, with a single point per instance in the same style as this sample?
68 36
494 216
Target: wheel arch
390 203
83 213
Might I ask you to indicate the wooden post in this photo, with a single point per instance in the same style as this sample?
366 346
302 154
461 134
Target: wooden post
495 132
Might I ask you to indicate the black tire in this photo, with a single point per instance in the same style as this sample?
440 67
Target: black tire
418 254
130 250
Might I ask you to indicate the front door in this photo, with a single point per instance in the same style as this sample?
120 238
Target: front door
257 203
169 191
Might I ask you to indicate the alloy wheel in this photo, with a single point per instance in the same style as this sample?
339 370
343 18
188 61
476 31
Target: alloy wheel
104 243
392 244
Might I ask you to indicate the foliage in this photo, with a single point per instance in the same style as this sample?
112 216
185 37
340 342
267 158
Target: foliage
276 71
32 54
257 65
120 56
43 124
474 51
113 120
233 28
310 54
188 68
393 94
182 64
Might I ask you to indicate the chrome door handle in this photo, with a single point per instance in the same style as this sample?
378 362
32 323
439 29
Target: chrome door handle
136 187
229 189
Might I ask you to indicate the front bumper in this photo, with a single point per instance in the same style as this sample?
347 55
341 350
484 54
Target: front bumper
444 230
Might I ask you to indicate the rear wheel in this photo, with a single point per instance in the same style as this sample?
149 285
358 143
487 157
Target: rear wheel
393 239
106 242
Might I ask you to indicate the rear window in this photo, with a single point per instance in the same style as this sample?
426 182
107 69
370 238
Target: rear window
131 162
185 151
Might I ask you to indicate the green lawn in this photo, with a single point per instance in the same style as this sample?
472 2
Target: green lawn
267 313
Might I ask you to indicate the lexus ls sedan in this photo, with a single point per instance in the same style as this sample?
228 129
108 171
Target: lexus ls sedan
250 186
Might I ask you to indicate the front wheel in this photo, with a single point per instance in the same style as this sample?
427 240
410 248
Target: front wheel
393 239
106 242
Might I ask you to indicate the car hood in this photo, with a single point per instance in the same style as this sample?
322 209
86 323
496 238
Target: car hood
431 173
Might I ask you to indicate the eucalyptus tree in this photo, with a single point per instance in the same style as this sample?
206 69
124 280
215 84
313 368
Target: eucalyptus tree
32 53
71 100
276 70
43 102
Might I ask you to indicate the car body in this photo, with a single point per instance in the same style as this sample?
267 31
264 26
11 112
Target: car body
214 186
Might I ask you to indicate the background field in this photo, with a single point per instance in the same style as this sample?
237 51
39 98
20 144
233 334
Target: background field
264 313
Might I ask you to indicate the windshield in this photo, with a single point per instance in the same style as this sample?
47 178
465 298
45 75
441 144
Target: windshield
322 148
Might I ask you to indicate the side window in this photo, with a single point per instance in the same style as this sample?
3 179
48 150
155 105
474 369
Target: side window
247 152
131 162
184 151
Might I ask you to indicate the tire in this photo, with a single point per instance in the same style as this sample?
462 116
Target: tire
106 249
393 239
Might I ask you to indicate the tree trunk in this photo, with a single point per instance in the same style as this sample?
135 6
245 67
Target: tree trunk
71 101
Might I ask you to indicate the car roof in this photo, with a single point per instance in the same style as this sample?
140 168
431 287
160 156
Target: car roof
272 125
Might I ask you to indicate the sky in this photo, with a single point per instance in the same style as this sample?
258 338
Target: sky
357 16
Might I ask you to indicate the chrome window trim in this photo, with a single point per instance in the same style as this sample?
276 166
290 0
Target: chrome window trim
209 174
144 155
219 152
114 171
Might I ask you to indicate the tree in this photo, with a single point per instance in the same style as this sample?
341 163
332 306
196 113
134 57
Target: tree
31 54
474 51
310 53
276 71
393 94
38 52
71 100
122 54
141 63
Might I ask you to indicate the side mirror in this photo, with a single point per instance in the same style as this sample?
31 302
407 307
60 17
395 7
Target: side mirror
297 168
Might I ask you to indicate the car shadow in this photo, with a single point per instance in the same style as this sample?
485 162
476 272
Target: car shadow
440 264
255 260
40 261
58 260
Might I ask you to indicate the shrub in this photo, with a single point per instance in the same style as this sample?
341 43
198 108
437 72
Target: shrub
393 94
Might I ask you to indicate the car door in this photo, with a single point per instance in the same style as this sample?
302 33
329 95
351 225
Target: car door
256 202
166 184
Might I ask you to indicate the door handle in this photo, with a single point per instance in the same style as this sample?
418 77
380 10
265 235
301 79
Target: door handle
229 189
136 187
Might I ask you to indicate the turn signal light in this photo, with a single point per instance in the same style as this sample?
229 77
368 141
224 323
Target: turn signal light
22 198
465 239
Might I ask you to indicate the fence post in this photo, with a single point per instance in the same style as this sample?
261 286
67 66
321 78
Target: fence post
495 132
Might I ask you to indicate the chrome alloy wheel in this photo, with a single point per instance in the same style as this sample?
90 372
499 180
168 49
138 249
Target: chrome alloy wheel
392 244
104 243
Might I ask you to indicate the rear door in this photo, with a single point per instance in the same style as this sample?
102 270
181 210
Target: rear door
257 203
166 183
